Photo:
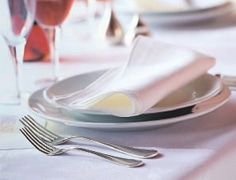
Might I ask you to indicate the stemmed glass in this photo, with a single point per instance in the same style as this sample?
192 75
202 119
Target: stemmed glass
16 19
50 14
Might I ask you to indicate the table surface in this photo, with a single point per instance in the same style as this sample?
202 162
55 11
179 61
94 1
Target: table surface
199 148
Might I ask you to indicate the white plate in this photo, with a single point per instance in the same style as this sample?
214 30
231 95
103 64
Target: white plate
195 92
42 108
202 10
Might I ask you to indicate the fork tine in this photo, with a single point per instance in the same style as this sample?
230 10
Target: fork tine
30 125
39 126
36 142
50 150
30 122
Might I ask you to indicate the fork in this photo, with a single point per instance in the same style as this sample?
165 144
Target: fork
55 139
51 150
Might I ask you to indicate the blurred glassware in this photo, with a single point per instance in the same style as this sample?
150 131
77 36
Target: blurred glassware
37 47
16 19
50 14
137 27
91 11
110 28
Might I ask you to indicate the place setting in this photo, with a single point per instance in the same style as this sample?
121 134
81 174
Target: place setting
141 89
133 97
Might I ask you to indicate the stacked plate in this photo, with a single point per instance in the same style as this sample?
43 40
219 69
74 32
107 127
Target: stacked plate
199 97
175 11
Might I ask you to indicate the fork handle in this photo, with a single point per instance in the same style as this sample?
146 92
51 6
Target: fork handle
137 152
228 80
114 159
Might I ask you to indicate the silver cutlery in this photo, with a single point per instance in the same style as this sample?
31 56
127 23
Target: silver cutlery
228 80
55 139
51 150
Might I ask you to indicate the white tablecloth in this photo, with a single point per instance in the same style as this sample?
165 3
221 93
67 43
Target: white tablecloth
198 148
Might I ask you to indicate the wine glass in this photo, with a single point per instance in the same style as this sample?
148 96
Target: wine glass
16 19
50 14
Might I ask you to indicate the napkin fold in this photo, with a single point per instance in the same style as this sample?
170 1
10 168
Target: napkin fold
153 70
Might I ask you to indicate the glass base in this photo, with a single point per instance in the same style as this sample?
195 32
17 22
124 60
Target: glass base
13 99
10 100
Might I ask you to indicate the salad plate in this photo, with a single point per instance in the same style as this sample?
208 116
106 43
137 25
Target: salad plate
201 89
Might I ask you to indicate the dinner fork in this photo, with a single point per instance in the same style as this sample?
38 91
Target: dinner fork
51 150
55 139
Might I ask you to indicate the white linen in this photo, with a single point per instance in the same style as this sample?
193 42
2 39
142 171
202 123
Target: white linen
153 71
31 164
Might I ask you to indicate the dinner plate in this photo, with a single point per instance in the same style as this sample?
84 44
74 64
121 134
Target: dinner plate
194 92
40 107
175 11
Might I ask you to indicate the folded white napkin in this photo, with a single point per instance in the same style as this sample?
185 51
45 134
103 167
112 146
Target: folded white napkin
153 71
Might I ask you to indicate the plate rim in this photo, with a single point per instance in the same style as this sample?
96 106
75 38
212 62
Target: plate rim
184 16
226 4
137 125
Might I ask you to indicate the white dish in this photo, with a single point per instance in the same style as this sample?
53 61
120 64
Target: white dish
195 92
202 10
39 106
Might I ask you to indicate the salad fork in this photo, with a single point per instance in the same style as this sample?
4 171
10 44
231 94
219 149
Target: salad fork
51 150
55 139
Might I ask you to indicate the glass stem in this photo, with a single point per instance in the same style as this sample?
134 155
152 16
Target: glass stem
17 52
53 35
91 13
